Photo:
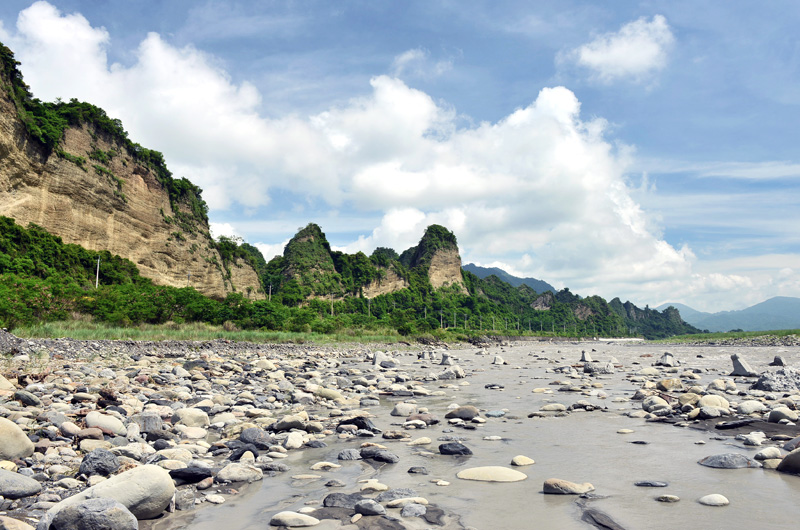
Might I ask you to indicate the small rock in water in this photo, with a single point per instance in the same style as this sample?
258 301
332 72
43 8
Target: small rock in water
521 460
564 487
728 461
668 498
650 484
715 499
491 474
454 448
293 519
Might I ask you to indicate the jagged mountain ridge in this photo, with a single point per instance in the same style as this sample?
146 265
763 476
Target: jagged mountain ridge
779 312
70 169
539 286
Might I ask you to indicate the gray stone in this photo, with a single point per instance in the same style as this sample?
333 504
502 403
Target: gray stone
16 486
349 454
95 514
790 463
781 413
741 367
785 379
148 422
105 422
28 399
668 360
369 507
342 500
728 461
145 490
413 510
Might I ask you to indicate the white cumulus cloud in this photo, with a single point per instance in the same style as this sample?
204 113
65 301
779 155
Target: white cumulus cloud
635 52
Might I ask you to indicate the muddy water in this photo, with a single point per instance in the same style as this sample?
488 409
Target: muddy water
581 447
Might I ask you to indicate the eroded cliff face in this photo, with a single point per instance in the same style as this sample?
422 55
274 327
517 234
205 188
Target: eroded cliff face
445 269
390 283
116 205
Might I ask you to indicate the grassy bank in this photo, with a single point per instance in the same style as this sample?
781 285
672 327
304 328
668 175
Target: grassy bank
86 329
194 332
729 335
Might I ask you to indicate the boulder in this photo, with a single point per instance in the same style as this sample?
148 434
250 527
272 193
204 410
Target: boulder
95 514
790 463
728 461
237 472
784 380
715 499
15 444
654 403
781 413
465 413
454 448
145 491
16 486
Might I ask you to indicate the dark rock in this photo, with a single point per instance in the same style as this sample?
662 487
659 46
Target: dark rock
95 514
778 361
454 448
316 444
280 467
735 424
379 455
600 520
342 500
190 474
28 399
334 483
418 470
259 438
650 484
349 454
99 462
361 423
728 461
242 449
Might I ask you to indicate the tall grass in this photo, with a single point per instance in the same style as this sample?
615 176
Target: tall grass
83 330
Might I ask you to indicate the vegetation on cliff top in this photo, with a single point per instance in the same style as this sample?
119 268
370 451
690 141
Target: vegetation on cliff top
46 123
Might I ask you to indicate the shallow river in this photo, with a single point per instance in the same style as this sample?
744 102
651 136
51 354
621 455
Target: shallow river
581 447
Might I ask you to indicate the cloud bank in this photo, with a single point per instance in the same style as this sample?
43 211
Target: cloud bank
541 191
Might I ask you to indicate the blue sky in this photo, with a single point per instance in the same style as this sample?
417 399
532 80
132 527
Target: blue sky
646 150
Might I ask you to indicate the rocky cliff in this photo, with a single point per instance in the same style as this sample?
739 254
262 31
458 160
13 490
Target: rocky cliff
91 190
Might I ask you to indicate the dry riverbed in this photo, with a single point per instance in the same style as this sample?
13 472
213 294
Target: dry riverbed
173 435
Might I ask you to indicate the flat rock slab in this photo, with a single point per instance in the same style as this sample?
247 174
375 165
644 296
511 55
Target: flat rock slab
491 474
650 484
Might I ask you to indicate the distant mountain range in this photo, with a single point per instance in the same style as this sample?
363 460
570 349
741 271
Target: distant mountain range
482 272
780 312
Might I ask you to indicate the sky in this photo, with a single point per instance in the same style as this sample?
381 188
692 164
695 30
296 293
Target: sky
640 150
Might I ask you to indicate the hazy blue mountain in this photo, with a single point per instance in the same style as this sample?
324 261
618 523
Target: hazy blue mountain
482 272
780 312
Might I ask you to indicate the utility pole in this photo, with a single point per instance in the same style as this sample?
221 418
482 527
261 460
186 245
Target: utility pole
455 324
270 293
441 320
97 278
369 312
